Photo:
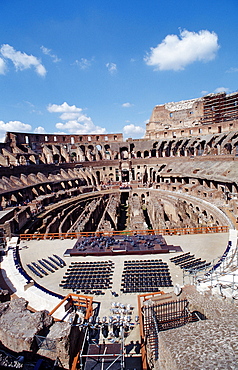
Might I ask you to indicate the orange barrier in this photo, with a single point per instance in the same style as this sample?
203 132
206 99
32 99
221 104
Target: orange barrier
81 301
175 231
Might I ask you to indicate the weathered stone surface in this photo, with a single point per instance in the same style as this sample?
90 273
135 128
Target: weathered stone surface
18 326
3 307
208 344
58 337
64 339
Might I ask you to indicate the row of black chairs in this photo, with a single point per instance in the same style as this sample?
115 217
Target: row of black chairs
143 261
146 284
98 263
36 272
91 291
182 257
143 289
145 273
86 286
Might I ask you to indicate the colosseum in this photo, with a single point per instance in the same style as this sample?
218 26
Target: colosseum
123 254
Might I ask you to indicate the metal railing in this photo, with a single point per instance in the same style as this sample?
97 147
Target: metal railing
168 231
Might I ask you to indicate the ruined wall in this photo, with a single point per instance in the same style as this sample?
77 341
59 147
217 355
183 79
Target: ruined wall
65 340
175 115
18 326
135 214
208 139
214 113
166 211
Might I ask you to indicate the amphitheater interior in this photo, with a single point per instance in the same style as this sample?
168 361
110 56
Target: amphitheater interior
167 202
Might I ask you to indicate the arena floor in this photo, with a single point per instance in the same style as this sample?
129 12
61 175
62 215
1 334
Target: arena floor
205 246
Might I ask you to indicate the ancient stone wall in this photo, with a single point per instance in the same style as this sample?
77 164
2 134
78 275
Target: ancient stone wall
135 214
18 326
19 329
64 338
214 113
175 115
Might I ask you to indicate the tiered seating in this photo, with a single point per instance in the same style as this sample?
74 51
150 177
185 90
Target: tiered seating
88 277
141 276
189 263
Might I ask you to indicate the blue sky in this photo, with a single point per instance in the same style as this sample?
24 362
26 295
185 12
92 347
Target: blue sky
101 66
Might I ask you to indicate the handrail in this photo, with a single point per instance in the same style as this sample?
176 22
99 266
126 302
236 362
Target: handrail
173 231
144 296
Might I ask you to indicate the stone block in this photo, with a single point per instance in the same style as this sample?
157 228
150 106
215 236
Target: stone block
18 326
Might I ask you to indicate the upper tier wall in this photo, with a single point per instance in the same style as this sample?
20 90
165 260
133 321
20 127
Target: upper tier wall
214 113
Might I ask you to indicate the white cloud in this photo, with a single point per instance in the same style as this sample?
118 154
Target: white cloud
75 127
84 63
63 108
21 60
77 121
40 69
69 116
112 67
39 130
222 89
15 126
175 53
3 67
127 105
48 52
133 131
232 70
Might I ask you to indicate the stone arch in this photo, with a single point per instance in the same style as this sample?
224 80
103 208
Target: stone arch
124 152
107 151
153 152
56 158
146 154
228 148
98 176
